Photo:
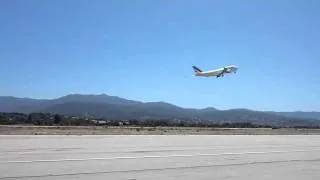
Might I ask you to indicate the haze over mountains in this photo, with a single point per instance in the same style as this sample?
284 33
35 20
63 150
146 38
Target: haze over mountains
119 108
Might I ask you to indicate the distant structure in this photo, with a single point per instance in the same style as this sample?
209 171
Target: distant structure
99 122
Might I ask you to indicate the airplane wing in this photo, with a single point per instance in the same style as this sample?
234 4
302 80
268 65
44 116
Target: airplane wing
221 72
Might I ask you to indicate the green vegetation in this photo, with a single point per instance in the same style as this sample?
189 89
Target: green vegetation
47 119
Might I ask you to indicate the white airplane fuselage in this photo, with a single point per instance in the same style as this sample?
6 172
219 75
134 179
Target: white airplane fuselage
216 72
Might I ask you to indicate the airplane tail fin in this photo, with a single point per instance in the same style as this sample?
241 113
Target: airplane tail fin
196 69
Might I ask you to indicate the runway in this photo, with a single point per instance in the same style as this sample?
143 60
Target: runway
152 157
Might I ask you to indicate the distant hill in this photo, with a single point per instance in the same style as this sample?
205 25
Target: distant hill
102 98
300 114
27 105
24 105
114 107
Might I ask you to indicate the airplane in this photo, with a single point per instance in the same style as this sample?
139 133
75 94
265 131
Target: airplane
216 72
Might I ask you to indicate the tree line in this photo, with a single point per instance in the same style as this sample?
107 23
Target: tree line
47 119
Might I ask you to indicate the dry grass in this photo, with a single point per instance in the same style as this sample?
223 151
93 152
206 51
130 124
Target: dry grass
101 130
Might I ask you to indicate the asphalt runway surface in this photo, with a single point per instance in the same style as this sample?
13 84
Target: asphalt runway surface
160 157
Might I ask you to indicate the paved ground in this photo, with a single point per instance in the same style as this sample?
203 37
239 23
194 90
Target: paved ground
160 157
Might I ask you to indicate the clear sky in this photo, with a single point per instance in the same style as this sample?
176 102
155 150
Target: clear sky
144 50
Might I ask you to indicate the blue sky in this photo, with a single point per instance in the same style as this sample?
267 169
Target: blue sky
144 50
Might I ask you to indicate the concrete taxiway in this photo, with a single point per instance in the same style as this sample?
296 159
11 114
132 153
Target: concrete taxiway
160 157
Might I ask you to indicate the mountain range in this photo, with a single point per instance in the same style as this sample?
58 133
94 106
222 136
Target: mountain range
114 107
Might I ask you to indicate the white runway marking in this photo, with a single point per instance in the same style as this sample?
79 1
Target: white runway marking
155 156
